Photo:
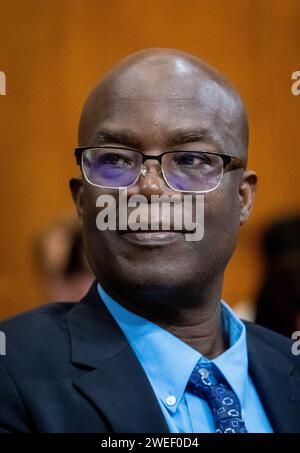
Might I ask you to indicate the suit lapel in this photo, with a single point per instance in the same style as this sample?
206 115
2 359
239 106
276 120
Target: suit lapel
115 382
272 374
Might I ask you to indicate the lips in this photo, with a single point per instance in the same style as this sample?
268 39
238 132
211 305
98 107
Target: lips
151 238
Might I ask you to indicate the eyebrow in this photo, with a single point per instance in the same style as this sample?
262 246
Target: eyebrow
124 138
174 138
181 136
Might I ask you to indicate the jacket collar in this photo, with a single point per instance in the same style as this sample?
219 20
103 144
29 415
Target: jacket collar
273 376
115 382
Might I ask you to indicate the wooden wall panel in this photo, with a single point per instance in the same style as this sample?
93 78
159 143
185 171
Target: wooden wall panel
53 51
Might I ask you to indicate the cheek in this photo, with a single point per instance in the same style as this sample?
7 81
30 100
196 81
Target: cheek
222 210
89 207
223 205
95 241
222 219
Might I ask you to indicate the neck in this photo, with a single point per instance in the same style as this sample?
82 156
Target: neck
191 314
201 328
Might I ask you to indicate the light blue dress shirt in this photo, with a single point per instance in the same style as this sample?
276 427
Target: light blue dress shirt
168 363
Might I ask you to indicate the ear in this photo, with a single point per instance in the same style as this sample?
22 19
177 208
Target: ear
76 187
246 194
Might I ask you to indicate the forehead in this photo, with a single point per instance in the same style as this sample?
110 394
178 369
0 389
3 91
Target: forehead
153 102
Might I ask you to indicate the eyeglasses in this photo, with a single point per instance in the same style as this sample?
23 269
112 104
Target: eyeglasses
184 171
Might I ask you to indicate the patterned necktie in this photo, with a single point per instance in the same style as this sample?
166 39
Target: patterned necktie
207 382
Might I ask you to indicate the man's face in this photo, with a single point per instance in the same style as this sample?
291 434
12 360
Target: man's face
157 109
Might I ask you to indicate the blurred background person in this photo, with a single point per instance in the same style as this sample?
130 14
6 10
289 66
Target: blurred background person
60 262
278 301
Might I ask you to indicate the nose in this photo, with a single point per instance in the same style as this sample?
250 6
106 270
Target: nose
151 180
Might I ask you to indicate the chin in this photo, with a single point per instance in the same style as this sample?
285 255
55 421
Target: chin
151 278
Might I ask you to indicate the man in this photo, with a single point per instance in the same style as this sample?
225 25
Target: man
151 347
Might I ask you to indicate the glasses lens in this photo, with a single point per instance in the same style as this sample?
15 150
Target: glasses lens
111 167
192 171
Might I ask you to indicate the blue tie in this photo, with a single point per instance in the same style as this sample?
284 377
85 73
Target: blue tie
208 383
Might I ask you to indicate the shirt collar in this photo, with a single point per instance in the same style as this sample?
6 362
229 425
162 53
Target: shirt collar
157 349
233 363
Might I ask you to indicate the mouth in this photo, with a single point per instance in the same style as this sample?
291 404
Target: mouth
150 238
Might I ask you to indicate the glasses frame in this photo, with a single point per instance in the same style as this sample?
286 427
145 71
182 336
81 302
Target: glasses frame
228 161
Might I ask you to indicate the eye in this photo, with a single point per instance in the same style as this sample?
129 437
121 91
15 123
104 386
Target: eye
191 159
113 159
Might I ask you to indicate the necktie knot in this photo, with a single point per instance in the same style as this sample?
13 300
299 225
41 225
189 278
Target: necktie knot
207 382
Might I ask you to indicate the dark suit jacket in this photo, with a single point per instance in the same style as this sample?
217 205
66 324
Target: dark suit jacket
69 368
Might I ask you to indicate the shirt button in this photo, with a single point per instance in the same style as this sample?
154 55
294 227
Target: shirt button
171 400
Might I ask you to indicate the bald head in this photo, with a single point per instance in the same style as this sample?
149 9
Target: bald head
168 90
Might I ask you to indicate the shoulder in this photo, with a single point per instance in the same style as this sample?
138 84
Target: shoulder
37 318
35 333
268 336
271 345
36 348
